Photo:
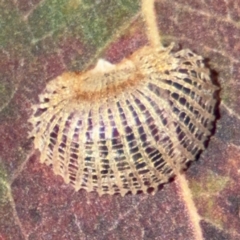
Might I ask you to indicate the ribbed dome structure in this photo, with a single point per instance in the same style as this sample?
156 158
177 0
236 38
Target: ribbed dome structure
126 127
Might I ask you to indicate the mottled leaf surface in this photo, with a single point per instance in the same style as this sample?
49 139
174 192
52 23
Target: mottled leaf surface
39 40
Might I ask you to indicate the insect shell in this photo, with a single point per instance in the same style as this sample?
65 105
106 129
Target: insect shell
126 127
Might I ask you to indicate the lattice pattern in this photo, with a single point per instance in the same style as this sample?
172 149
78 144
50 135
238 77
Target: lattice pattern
129 127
